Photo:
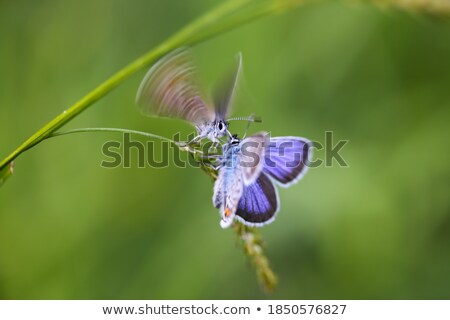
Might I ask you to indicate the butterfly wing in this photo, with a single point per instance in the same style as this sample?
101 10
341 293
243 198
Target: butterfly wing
169 90
218 190
225 92
228 186
259 203
286 159
251 156
229 194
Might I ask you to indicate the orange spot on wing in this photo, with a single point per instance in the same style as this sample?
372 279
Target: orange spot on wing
227 212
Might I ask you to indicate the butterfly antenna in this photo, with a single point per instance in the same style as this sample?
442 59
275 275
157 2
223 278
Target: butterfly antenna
250 120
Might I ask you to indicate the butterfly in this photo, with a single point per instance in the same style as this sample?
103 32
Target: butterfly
244 188
169 90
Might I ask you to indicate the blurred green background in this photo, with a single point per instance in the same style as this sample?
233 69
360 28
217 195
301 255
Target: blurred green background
379 229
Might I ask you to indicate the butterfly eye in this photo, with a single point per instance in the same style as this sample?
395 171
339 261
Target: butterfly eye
221 126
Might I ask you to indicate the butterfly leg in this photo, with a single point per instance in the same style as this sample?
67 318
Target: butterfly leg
213 147
212 166
192 141
187 146
214 157
249 121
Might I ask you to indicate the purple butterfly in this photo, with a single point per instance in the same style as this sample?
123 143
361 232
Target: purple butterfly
169 90
244 188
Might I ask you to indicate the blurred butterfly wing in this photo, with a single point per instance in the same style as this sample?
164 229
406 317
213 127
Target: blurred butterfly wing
225 92
287 158
259 203
169 90
251 157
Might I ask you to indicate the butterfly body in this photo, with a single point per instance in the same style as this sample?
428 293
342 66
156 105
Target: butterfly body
212 131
